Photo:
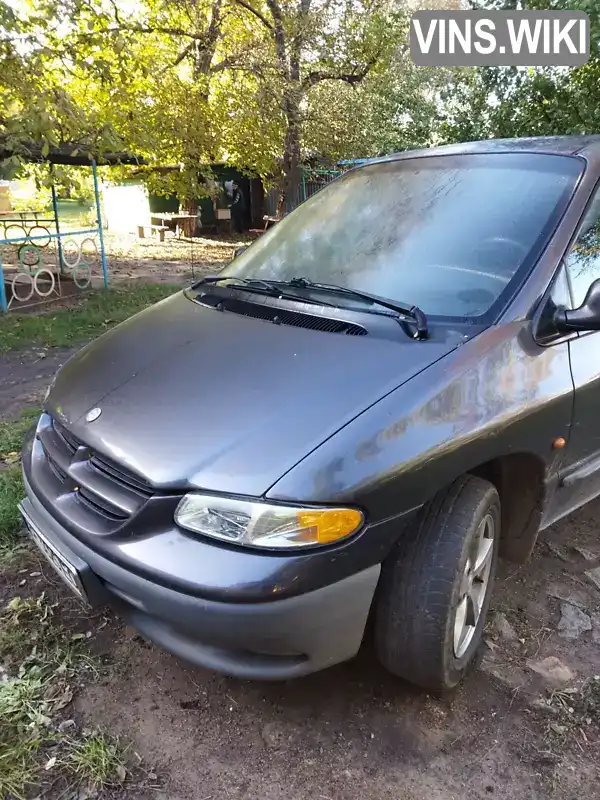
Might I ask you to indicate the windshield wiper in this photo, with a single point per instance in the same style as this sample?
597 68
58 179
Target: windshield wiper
414 312
259 286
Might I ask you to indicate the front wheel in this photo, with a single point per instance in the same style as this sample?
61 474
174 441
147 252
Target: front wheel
436 586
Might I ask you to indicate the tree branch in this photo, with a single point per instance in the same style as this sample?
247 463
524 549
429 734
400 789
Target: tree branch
260 69
183 54
279 32
240 59
347 77
177 32
205 56
116 13
180 32
256 13
298 40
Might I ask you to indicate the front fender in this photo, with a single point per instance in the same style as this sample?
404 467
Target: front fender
498 394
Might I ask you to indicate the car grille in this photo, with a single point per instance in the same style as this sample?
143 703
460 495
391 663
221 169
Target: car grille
85 481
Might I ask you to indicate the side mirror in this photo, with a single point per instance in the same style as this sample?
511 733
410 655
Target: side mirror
238 251
584 318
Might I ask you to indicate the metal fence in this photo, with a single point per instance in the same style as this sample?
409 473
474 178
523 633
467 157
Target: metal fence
316 179
313 180
42 260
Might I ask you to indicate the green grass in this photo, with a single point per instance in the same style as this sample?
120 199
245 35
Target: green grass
41 661
21 735
27 691
11 492
93 315
11 484
97 760
72 214
42 666
12 433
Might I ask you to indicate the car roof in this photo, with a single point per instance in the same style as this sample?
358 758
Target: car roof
585 146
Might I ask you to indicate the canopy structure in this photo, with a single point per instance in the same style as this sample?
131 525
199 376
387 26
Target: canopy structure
66 154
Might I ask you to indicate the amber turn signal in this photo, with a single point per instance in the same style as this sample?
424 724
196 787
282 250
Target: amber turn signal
329 525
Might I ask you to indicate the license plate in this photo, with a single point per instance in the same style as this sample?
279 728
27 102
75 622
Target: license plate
62 565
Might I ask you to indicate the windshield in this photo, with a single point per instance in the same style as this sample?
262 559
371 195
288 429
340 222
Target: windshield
449 234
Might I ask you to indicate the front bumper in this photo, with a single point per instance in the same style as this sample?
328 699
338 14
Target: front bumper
268 640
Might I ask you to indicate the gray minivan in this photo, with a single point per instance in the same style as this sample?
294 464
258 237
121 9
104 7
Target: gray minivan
393 386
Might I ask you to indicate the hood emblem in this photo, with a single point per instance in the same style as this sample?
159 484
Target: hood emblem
93 414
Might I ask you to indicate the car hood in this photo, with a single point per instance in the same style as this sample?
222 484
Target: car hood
192 397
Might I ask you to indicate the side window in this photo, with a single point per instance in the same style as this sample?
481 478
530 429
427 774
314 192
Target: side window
583 261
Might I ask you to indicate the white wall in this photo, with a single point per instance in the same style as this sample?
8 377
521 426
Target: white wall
125 207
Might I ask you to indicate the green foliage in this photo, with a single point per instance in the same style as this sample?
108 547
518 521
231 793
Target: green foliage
41 666
510 101
394 109
37 200
258 85
11 493
74 183
98 760
190 83
12 433
11 483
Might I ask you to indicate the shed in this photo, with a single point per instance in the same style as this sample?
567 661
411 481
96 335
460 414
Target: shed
128 204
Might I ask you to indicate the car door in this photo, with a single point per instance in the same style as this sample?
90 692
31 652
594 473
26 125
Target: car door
579 476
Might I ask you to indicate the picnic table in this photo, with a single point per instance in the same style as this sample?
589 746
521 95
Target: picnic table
183 222
162 222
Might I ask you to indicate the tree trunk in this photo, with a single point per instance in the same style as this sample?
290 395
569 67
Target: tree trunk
188 226
290 195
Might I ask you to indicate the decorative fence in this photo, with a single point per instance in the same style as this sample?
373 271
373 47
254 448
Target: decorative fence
41 262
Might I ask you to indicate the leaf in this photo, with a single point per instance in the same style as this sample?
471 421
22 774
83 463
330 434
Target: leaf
45 149
50 763
64 699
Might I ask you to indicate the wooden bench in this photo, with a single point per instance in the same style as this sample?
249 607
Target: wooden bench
159 230
259 231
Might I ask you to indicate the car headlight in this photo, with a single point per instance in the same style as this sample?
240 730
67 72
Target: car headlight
265 525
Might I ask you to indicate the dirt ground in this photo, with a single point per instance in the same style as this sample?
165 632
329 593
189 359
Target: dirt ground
169 261
353 732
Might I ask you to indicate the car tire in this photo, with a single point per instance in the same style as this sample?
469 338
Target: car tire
433 583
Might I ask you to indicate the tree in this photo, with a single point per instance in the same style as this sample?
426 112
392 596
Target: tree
188 82
510 101
257 62
395 108
312 42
